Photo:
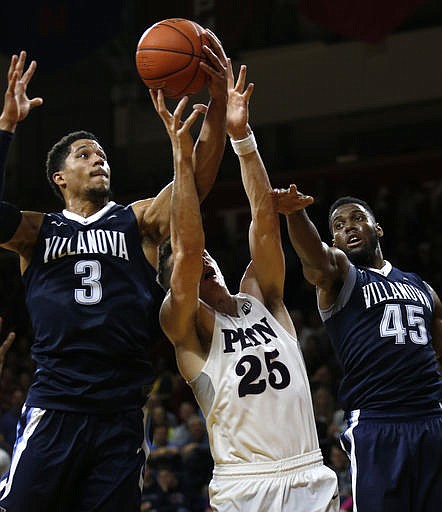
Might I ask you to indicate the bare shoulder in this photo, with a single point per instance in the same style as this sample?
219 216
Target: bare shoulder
146 214
27 232
330 283
141 207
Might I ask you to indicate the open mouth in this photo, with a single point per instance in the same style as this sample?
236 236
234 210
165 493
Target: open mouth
353 241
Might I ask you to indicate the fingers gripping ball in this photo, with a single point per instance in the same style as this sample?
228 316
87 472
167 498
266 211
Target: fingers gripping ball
168 57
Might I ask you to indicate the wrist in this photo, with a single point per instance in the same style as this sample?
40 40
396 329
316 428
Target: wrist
239 133
245 145
6 125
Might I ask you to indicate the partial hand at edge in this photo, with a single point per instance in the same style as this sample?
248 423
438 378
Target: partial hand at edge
17 105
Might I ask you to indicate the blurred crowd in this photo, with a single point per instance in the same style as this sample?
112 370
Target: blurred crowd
179 466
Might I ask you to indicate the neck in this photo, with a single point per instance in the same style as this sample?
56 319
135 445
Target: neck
378 260
223 303
85 208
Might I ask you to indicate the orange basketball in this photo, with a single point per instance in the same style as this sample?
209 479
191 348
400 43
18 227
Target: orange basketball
168 57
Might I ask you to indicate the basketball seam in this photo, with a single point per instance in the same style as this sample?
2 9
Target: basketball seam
180 32
169 50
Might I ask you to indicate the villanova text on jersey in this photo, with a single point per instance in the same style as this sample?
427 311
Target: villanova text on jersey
380 327
100 241
93 302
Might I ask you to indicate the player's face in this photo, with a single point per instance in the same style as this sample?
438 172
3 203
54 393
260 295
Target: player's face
356 233
211 278
86 170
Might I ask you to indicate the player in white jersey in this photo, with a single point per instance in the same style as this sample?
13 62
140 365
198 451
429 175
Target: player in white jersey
239 352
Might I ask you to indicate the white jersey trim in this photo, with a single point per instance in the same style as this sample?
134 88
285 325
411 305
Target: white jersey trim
92 218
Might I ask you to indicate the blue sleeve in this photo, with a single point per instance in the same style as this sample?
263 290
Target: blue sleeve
5 141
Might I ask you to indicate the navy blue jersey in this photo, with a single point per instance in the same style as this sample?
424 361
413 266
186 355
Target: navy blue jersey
93 301
380 327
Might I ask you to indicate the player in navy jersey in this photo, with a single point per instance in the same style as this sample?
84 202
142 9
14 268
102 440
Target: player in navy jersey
386 327
90 283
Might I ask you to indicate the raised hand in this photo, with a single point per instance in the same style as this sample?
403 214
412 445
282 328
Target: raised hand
178 130
237 117
290 200
17 105
216 67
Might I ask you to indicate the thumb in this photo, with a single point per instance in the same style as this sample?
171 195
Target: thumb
202 109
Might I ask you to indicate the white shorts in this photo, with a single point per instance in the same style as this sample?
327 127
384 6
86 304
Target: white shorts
297 484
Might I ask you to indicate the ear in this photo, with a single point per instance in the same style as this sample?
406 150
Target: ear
379 230
58 178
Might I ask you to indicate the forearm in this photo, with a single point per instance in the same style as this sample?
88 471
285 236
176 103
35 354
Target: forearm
186 224
264 234
5 141
256 183
306 240
209 147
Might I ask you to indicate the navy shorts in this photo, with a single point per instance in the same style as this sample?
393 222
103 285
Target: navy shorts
396 462
75 462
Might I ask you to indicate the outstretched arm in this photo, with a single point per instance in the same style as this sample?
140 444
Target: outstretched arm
323 266
154 214
18 230
180 307
264 277
209 147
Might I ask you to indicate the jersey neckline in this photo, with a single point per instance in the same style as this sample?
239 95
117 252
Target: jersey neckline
385 270
92 218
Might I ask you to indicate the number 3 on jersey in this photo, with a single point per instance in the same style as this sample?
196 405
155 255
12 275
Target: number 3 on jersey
392 324
91 293
278 374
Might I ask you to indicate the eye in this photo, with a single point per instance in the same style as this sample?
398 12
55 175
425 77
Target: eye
339 225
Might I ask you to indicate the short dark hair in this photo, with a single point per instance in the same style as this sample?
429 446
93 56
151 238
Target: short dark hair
58 153
164 269
348 200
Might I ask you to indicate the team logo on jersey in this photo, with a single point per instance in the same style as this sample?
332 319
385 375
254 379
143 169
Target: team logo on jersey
246 307
241 339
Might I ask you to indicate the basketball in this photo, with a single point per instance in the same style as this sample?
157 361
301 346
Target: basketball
168 57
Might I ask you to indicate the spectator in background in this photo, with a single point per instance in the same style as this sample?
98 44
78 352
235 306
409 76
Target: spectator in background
159 415
324 408
173 496
150 494
196 459
162 451
163 491
341 466
181 434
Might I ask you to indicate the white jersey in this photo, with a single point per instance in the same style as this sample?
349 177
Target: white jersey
253 389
